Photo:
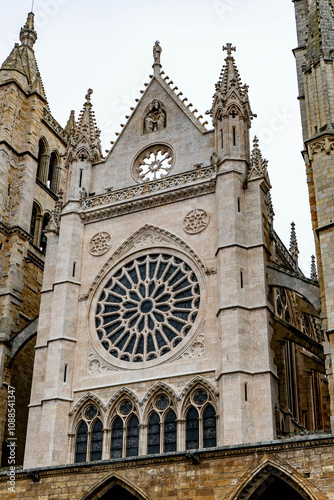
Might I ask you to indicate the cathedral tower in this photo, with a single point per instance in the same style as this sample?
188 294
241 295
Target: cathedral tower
31 174
315 65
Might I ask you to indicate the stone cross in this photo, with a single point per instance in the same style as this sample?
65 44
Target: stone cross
229 48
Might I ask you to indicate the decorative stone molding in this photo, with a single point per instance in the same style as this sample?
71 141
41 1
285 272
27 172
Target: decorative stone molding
89 396
324 144
196 350
200 381
96 366
99 244
160 386
152 233
146 195
196 221
124 391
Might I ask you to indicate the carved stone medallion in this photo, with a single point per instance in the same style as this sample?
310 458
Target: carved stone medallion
196 221
100 244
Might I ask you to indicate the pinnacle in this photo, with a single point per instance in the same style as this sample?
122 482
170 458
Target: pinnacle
314 274
28 35
293 242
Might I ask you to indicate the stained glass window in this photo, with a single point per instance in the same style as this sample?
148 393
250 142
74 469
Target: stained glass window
117 438
153 434
81 443
170 432
132 442
192 429
147 308
97 440
209 427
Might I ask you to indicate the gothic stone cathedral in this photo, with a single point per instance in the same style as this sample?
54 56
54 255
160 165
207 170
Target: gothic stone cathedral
160 338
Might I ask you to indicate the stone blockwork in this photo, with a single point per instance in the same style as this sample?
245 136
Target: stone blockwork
306 464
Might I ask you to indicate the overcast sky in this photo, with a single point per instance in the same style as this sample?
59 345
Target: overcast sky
107 45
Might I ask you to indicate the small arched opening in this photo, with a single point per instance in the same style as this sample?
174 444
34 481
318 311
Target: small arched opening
274 488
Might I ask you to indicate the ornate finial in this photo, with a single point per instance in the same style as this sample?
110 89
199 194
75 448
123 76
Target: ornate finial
156 57
314 274
229 49
89 93
293 243
28 35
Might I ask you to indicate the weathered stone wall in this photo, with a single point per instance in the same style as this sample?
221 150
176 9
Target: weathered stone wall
306 464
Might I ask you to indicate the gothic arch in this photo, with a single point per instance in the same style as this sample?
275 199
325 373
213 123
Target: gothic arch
154 236
116 398
90 396
160 387
200 381
117 482
268 469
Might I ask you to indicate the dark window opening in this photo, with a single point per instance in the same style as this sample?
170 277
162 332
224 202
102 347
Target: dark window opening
97 440
192 429
81 443
170 433
209 428
234 137
132 442
117 439
153 434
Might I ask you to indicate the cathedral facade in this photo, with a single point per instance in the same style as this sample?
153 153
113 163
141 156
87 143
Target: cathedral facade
180 350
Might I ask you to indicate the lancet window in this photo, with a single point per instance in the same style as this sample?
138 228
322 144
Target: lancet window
162 426
125 431
89 436
200 421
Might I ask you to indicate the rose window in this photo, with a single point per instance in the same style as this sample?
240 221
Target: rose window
153 163
147 308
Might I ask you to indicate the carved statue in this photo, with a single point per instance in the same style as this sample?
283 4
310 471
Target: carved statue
157 52
155 118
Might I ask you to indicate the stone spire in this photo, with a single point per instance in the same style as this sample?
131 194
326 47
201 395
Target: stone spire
28 35
156 58
85 135
231 112
314 274
258 165
293 243
229 84
21 65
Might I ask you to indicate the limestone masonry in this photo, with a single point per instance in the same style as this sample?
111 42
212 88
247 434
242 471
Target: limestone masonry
161 339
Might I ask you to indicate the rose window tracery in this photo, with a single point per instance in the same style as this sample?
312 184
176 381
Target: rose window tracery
153 163
147 308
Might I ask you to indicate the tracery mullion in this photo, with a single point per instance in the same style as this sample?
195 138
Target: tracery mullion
132 334
163 276
183 277
127 274
162 333
174 273
111 323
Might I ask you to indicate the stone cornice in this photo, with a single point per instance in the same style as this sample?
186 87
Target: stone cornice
149 195
15 230
270 447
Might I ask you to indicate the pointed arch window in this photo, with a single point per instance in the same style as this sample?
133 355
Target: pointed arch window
132 439
43 157
43 241
96 441
153 434
192 429
117 439
81 443
209 427
170 432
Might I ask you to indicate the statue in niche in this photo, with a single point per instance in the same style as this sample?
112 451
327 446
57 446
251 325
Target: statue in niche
155 118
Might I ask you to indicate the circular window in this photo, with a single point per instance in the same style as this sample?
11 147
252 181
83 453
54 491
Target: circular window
147 308
153 163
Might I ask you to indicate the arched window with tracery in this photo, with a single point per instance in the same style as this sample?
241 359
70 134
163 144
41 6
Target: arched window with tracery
201 426
81 443
117 438
124 430
162 425
96 441
89 435
153 434
36 224
132 438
